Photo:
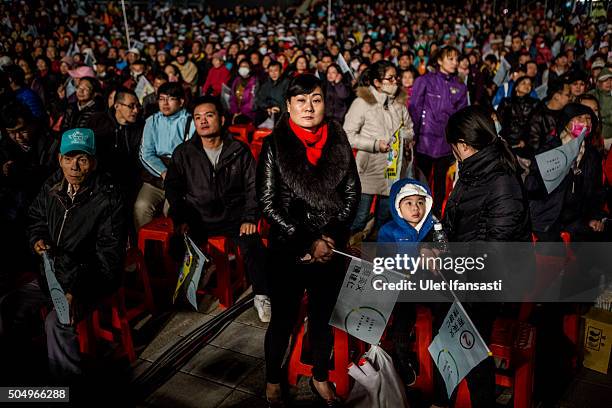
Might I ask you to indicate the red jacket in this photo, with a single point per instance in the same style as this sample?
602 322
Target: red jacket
608 168
215 79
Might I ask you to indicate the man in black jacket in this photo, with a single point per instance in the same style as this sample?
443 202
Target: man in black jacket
77 219
210 186
118 135
28 156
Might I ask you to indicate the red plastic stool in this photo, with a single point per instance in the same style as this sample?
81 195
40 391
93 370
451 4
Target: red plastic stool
160 229
258 136
229 279
89 329
146 303
423 332
513 343
263 229
339 375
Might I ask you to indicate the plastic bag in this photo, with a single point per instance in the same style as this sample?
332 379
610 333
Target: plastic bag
377 384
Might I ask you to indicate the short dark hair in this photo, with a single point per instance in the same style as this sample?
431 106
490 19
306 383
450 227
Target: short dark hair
121 93
12 112
161 75
208 99
303 84
275 64
173 89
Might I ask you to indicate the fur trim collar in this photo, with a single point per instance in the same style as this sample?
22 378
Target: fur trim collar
365 93
316 185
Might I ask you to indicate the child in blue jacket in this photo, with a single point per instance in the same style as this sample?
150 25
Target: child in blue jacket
410 203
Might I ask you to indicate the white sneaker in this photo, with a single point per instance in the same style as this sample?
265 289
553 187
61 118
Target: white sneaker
263 307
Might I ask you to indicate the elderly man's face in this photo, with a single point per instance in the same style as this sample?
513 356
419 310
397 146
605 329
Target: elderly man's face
76 166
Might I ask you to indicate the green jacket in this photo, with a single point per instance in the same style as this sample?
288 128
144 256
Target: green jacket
605 110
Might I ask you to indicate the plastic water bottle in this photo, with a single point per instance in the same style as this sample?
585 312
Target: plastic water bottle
440 239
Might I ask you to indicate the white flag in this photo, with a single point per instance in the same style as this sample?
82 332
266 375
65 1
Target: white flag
191 272
502 72
344 66
556 163
457 348
143 88
60 303
360 310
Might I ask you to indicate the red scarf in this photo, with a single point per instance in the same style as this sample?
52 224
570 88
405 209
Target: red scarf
313 142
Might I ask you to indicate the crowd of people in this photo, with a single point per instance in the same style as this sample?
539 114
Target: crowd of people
139 124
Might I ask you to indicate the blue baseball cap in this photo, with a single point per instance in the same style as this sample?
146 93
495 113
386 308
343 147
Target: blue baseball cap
79 139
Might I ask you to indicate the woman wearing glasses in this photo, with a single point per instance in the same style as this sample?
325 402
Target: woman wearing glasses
370 124
435 97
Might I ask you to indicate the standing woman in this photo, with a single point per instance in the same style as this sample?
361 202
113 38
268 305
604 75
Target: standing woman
308 190
242 94
370 123
337 94
488 204
435 97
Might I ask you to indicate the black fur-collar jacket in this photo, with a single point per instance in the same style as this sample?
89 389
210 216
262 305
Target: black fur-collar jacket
302 202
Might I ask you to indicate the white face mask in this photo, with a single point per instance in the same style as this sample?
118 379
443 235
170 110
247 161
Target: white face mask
243 72
263 51
389 89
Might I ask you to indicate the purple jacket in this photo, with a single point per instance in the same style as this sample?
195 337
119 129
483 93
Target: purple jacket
248 97
435 96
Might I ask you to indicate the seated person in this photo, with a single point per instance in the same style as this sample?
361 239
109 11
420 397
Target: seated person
78 220
210 186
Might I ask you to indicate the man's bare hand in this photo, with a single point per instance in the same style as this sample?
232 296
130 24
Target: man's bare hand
40 246
248 228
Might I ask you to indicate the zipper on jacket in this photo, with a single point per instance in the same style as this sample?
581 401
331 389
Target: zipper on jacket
59 236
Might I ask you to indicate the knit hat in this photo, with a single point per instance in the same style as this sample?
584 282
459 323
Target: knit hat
571 110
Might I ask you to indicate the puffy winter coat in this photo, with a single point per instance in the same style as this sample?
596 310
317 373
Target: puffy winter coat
302 202
337 100
514 113
374 116
543 129
435 97
488 202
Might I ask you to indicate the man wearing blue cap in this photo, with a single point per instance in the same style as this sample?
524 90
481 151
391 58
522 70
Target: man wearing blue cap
78 220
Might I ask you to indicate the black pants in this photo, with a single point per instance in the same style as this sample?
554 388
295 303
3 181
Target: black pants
251 248
20 313
288 282
440 167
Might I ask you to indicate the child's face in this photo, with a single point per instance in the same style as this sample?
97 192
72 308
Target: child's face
412 209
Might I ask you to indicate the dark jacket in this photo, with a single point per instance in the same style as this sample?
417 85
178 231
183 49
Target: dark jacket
488 202
117 148
514 114
542 130
212 198
338 98
300 201
579 197
75 118
29 169
87 235
269 94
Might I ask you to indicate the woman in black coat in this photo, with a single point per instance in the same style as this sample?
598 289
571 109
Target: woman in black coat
308 190
88 102
514 113
338 94
488 204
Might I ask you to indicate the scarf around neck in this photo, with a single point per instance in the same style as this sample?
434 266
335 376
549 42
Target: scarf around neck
313 141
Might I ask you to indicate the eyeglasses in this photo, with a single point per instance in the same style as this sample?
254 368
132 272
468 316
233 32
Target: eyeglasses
131 106
391 78
167 99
